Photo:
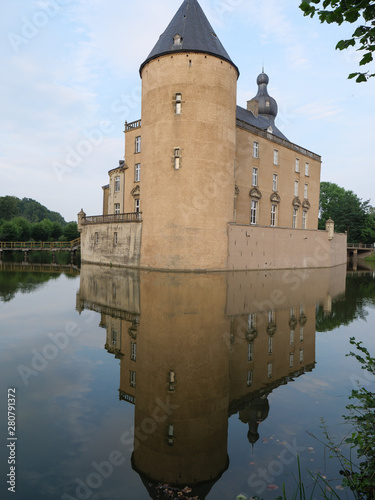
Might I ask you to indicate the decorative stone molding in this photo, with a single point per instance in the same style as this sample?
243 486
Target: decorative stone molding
271 329
255 193
302 320
251 334
306 204
136 191
296 202
275 198
293 322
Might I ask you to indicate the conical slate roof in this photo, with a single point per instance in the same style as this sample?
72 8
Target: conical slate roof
195 32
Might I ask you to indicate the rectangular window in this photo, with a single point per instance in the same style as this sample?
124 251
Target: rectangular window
252 321
273 215
291 360
256 149
269 369
133 351
250 351
178 104
271 316
254 212
301 356
117 184
295 215
255 177
138 144
177 158
132 379
270 345
96 238
307 169
295 188
304 219
274 182
291 337
305 191
137 172
297 166
275 157
249 380
115 239
117 208
114 337
301 333
137 206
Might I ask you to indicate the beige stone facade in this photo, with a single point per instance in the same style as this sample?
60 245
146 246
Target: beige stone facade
198 168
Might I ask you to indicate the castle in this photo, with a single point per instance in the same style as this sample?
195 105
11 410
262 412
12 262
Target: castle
206 184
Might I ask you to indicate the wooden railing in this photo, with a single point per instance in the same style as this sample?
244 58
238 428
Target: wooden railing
102 219
360 245
40 245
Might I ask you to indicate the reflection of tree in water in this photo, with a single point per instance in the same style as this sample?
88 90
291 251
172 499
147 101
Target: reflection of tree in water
13 282
360 293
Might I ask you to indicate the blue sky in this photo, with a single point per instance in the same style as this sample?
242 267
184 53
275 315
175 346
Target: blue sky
70 80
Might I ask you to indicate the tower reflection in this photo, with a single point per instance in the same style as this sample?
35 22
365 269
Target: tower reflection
195 349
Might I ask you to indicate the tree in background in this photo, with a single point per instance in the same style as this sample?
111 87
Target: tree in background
24 228
349 213
8 207
70 232
361 12
9 232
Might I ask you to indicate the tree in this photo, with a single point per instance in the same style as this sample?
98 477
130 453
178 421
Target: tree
9 232
8 207
71 231
349 213
40 232
361 12
24 228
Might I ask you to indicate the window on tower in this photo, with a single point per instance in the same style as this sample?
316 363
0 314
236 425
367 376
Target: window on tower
178 104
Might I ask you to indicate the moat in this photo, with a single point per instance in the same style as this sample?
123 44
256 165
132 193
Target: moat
130 383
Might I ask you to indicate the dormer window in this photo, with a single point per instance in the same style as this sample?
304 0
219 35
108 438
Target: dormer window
177 40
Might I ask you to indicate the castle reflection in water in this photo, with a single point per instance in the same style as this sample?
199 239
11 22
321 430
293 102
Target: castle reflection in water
195 349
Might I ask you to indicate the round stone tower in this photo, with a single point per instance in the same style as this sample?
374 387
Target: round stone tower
188 146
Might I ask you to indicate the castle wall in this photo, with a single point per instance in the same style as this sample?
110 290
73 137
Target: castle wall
259 247
100 245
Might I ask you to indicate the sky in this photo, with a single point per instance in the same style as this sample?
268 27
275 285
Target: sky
70 79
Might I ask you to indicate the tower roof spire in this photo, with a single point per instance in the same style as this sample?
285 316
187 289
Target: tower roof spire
189 31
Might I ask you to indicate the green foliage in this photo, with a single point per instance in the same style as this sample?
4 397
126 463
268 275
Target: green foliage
362 438
349 213
24 228
71 231
350 11
31 210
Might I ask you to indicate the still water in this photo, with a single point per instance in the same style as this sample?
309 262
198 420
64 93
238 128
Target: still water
210 383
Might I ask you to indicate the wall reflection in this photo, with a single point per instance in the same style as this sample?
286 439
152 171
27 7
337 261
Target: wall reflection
195 349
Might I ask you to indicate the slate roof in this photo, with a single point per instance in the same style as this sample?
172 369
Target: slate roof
258 121
191 23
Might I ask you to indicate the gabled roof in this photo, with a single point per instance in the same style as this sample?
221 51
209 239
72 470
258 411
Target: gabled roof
195 31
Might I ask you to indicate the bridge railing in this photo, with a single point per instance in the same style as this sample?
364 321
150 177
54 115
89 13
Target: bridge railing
39 245
360 245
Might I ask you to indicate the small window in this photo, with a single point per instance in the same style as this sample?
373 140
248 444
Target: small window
138 144
273 215
117 208
271 316
114 336
249 378
291 360
255 177
274 182
250 351
270 345
115 239
292 337
275 157
305 192
132 379
296 188
295 216
256 149
96 238
177 39
254 212
117 184
177 158
301 333
270 370
304 219
297 166
301 355
133 351
307 169
252 321
178 104
137 172
137 205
